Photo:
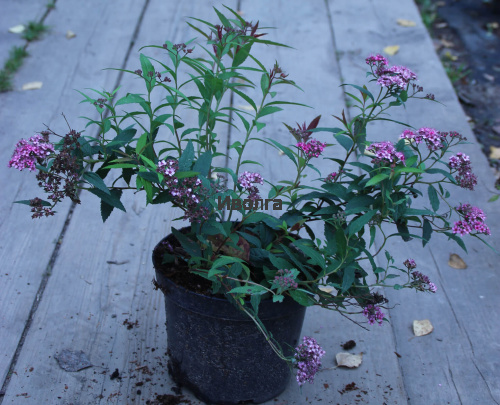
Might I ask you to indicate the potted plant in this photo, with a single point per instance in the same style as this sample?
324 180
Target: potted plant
237 279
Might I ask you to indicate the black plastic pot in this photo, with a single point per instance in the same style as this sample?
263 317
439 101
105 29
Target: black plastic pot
218 353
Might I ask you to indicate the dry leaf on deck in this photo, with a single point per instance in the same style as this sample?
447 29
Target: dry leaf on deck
17 29
422 328
406 23
70 34
391 50
447 44
349 360
246 107
494 152
32 86
326 288
456 262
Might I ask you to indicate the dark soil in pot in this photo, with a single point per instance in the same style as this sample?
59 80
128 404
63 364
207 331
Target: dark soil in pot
214 349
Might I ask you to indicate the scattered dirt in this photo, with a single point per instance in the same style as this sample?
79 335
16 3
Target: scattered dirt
130 325
167 399
349 387
466 35
350 344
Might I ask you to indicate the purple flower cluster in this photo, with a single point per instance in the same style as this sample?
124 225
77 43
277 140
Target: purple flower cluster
311 148
65 168
465 177
186 192
432 137
285 280
374 314
385 152
422 282
410 264
29 153
332 177
472 220
398 76
246 180
308 356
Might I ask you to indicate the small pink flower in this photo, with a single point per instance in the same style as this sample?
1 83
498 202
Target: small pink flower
29 153
385 152
374 314
311 148
472 220
308 360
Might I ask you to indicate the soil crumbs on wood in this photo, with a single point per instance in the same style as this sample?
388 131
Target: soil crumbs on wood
167 399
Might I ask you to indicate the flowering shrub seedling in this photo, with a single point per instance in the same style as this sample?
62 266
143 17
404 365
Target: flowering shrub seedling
247 254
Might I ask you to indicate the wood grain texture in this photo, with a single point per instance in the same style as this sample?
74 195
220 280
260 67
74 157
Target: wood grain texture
27 245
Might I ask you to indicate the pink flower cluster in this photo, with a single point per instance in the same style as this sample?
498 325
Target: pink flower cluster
465 177
331 177
374 314
472 220
246 180
410 264
398 76
186 192
308 355
385 152
285 280
311 148
28 153
432 137
422 282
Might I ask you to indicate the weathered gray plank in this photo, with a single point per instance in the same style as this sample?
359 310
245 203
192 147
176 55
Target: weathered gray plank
27 245
15 13
97 296
463 369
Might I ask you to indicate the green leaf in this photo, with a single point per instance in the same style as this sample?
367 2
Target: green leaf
457 239
187 157
150 176
28 202
188 173
141 143
356 225
433 197
494 198
242 54
146 68
348 278
96 181
344 141
123 138
249 290
373 232
376 179
244 97
130 99
202 165
106 209
361 89
269 110
287 151
301 297
110 199
426 232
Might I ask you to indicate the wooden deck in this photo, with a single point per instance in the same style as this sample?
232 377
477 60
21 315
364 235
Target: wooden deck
72 282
